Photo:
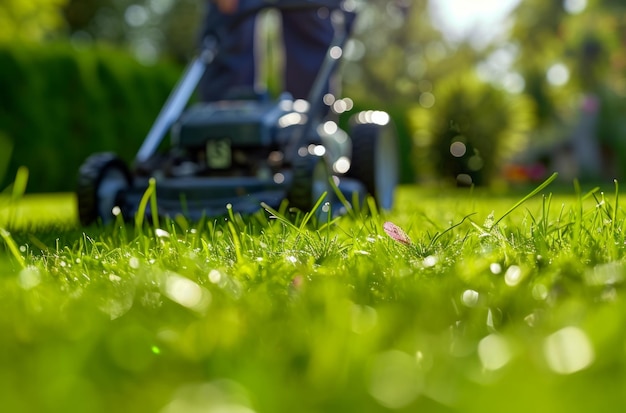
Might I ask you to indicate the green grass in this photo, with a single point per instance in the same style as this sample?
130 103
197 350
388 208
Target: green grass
489 309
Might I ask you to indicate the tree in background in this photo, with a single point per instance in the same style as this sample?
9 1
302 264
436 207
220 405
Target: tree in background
398 53
464 121
152 29
572 57
30 20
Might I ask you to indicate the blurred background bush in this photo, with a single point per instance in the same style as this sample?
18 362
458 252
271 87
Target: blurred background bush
540 90
472 131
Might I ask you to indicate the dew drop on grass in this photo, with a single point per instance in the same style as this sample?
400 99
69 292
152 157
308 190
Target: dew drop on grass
513 276
29 278
161 233
470 298
215 276
430 261
495 268
133 262
115 278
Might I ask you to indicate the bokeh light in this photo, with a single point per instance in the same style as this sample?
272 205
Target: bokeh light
568 350
574 6
558 74
494 352
458 149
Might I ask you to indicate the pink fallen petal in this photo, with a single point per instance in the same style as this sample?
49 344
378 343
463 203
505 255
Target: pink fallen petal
396 233
297 282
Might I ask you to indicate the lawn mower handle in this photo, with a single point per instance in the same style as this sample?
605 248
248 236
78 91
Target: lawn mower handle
182 92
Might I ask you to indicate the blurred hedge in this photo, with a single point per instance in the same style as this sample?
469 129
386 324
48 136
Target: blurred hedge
59 104
471 131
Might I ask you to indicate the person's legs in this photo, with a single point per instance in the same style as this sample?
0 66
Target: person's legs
234 66
307 35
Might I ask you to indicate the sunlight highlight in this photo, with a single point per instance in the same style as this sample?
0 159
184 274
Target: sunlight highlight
568 350
513 276
187 293
494 352
29 277
574 6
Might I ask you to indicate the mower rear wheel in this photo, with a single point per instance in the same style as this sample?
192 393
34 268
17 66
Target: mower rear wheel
375 160
101 178
310 181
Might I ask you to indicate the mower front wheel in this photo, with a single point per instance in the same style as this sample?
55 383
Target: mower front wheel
101 178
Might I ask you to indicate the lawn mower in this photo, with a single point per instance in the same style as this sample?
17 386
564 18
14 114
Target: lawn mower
248 151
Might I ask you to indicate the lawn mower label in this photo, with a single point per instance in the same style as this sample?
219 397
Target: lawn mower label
218 154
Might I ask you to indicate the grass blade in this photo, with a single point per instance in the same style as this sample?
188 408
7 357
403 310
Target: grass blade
143 204
527 197
153 204
12 246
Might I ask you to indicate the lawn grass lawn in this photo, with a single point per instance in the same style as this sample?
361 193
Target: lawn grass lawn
484 309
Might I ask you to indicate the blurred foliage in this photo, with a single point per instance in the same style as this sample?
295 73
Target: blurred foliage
556 53
398 53
30 19
150 28
471 130
90 100
585 41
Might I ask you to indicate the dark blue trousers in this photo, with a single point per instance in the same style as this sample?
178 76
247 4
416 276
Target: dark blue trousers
307 34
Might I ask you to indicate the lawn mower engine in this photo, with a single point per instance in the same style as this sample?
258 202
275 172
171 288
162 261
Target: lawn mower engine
244 152
233 138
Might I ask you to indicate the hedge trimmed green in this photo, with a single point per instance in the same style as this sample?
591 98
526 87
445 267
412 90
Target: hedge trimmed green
60 104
